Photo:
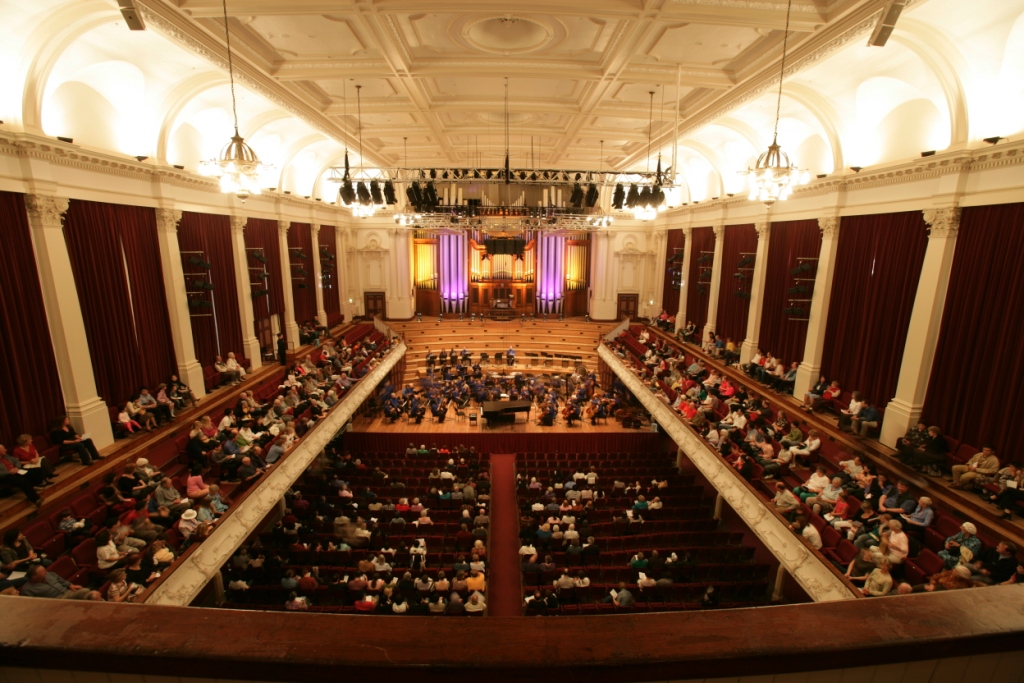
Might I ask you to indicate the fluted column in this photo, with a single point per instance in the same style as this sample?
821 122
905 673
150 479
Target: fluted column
905 408
288 324
189 369
243 285
340 247
684 277
814 346
764 229
655 274
86 409
314 233
716 283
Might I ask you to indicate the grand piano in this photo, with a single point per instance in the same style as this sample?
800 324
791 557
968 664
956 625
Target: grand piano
504 412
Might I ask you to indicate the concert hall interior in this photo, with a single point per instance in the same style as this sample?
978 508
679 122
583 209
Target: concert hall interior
622 340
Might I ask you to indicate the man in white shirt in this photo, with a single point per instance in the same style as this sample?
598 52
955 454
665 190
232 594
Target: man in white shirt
805 449
235 366
736 419
895 545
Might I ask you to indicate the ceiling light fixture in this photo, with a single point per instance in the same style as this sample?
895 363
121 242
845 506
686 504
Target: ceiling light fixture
237 167
773 177
648 201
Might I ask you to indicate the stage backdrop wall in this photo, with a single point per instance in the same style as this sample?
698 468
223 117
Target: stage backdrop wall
216 330
115 259
32 394
783 335
878 265
732 309
699 291
975 388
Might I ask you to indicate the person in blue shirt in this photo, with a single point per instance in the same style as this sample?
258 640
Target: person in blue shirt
920 519
865 420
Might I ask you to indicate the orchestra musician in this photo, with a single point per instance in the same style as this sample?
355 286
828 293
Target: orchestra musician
393 407
548 416
510 356
572 412
431 358
416 410
439 408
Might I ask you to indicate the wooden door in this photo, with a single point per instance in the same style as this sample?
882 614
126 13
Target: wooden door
374 305
628 306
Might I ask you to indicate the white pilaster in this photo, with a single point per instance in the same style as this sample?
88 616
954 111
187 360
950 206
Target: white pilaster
243 284
763 229
189 369
86 409
716 283
684 277
655 273
341 249
318 280
291 328
923 334
810 369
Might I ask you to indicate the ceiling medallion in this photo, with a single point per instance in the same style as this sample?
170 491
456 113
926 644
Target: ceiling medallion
506 34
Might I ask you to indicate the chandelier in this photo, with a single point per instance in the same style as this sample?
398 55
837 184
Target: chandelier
362 198
237 167
646 202
774 176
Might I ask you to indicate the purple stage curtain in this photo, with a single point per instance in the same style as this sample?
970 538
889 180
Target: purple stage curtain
32 394
115 259
216 330
732 310
699 290
975 389
670 294
331 282
780 335
261 233
508 442
303 294
878 266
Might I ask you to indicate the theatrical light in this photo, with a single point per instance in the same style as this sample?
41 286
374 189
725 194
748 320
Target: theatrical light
746 260
198 262
601 221
742 295
774 176
237 167
856 169
739 276
929 153
405 219
261 292
141 158
64 139
199 303
799 289
992 140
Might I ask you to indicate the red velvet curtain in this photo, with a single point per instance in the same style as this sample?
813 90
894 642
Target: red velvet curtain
975 390
698 291
32 394
218 329
261 233
303 294
115 259
878 266
740 240
331 282
780 334
674 260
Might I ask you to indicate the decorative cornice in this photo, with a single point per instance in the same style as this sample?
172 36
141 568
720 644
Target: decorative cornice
45 211
167 220
943 222
829 226
821 584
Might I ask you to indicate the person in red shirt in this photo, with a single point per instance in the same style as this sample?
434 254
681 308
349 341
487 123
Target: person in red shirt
26 452
26 483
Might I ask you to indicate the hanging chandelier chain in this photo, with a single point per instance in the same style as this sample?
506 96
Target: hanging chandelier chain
359 122
782 71
231 68
650 130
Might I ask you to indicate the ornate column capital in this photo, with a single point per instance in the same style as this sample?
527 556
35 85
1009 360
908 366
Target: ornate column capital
46 211
687 232
282 227
167 220
763 229
238 223
719 231
829 226
314 229
943 222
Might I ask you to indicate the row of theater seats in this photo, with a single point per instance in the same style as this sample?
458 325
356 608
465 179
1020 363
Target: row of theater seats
923 561
684 526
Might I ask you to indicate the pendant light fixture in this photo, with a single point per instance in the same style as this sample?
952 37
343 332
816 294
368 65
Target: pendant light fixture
368 195
646 201
774 176
237 166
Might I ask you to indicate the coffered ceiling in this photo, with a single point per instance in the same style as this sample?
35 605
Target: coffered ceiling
580 74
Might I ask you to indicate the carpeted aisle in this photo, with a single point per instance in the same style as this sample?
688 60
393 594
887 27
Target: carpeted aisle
504 593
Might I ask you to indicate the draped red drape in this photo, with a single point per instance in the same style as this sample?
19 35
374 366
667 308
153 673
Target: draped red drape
878 265
732 310
216 330
31 394
331 282
782 334
674 259
698 290
975 390
303 294
261 233
115 259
